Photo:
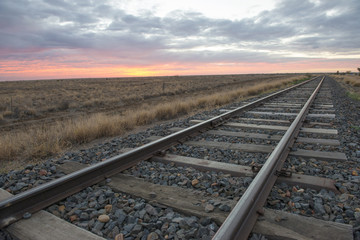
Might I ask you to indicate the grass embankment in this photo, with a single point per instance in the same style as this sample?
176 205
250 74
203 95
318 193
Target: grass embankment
46 141
352 85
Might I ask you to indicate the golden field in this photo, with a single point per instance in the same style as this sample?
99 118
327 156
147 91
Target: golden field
42 118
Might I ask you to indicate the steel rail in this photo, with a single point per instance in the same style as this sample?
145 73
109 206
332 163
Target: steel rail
242 218
35 199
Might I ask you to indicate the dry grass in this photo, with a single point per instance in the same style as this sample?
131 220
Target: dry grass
351 80
351 83
50 97
47 140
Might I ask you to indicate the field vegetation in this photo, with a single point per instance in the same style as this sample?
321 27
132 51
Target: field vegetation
351 83
39 119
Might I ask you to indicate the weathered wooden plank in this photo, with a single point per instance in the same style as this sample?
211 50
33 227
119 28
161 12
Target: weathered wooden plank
248 125
257 126
324 105
280 109
311 115
288 122
277 224
245 134
311 124
320 115
313 110
192 202
187 201
304 181
330 142
206 165
264 120
293 98
43 226
283 104
237 134
323 131
232 146
319 131
320 155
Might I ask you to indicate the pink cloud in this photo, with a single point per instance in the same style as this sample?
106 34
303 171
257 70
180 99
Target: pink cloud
24 70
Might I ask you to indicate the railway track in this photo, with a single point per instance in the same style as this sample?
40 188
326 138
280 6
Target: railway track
210 177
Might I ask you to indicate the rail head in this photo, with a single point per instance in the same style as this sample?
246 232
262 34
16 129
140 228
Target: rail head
37 198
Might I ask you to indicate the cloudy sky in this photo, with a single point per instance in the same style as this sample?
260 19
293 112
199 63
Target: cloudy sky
88 38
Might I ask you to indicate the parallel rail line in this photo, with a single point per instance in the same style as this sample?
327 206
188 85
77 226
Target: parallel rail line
241 220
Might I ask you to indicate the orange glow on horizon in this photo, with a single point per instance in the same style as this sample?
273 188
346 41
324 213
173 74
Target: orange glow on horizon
19 70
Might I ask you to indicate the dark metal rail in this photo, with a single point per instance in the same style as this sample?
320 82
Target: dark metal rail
242 218
46 194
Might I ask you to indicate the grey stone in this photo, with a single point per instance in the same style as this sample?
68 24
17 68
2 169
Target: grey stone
213 227
247 181
127 209
297 199
171 229
151 210
153 236
92 204
209 208
357 216
344 197
131 219
136 229
191 221
98 225
142 213
349 213
27 215
190 234
129 227
205 221
84 216
225 208
19 186
319 208
181 234
115 231
202 231
170 216
139 206
177 219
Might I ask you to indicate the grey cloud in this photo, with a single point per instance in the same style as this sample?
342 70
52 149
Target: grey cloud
26 26
310 19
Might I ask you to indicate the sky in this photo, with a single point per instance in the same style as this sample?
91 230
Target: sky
46 39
